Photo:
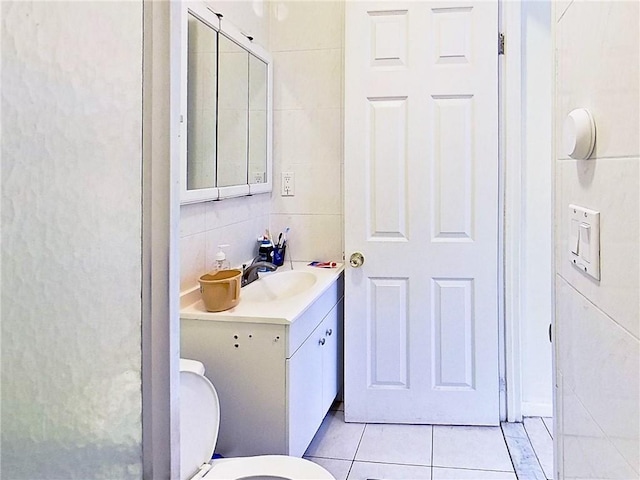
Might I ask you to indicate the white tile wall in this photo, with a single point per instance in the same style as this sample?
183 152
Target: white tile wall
588 452
307 39
597 323
307 79
611 187
312 237
600 366
306 25
312 136
598 42
236 222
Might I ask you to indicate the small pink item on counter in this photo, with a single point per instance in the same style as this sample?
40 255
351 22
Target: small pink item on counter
323 264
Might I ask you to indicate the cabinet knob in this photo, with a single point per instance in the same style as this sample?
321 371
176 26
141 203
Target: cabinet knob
329 332
322 341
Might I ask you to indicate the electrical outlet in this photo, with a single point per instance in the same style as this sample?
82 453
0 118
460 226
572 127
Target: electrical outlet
288 184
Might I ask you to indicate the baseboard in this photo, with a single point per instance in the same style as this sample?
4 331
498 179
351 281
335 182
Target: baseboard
530 409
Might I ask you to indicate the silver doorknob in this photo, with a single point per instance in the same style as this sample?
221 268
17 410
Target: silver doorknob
356 260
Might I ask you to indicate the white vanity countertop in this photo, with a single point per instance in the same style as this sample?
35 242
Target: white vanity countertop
282 311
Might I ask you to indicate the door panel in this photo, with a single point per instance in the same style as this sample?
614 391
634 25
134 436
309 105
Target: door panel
421 204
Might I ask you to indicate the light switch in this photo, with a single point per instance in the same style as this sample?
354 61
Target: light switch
584 240
585 234
574 237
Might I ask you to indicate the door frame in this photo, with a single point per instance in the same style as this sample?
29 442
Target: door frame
511 157
160 205
512 160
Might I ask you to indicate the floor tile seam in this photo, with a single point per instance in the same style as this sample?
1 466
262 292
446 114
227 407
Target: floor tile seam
535 452
543 424
480 469
547 428
329 458
355 454
350 468
392 463
432 447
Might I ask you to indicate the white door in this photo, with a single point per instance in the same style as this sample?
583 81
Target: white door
421 204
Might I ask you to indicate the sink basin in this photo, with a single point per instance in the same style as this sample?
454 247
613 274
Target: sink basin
278 286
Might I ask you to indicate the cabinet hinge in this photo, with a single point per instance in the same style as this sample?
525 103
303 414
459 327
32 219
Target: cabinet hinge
501 44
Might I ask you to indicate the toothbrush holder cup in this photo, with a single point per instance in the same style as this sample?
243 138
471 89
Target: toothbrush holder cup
278 255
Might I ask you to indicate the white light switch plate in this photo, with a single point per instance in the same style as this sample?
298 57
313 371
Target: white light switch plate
584 240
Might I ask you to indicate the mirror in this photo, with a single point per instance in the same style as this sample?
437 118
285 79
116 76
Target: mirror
226 99
233 109
201 104
258 81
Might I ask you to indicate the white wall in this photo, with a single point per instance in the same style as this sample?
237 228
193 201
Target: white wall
306 41
237 221
598 328
71 239
536 268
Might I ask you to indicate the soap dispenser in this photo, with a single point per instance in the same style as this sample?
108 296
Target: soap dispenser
221 259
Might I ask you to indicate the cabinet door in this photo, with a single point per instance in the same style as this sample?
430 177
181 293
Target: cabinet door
304 380
331 332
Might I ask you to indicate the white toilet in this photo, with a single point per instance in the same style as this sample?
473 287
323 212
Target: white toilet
199 422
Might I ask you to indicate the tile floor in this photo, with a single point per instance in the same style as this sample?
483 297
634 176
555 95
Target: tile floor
355 451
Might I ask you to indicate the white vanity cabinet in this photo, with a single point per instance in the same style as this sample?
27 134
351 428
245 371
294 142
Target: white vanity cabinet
275 381
313 379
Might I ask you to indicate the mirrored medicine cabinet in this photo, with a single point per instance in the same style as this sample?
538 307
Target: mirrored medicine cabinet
226 109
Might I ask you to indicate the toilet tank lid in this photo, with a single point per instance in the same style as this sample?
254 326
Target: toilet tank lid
194 366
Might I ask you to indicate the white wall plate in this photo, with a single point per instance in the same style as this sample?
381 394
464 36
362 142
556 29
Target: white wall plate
584 240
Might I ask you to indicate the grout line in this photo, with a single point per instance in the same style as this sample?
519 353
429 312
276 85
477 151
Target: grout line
476 469
597 308
350 468
432 446
547 428
356 452
359 442
421 465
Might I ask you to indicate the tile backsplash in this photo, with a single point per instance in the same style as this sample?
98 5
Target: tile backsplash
203 226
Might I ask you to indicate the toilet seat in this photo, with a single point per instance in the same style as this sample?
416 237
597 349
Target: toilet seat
278 466
199 424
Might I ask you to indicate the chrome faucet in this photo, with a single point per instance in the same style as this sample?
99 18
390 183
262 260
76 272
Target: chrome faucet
250 273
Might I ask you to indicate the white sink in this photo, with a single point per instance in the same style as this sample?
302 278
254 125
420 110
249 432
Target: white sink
276 298
278 286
